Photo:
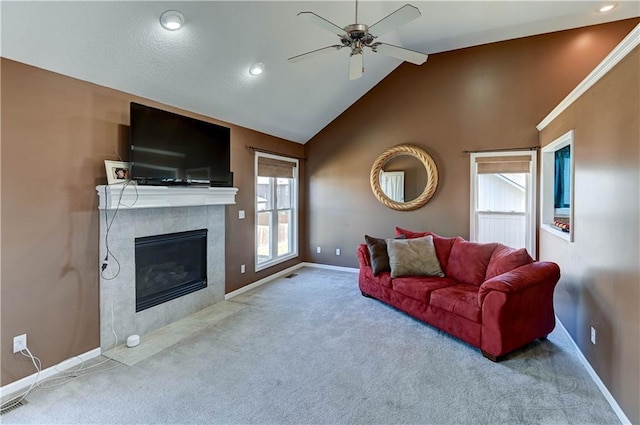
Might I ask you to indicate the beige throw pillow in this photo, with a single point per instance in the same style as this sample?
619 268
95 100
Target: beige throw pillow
413 257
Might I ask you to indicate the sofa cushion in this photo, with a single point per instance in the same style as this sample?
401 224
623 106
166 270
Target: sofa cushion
504 259
413 257
461 299
420 288
378 254
443 245
468 261
410 234
384 279
443 249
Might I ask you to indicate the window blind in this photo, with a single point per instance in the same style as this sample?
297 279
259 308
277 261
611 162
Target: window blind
269 167
503 164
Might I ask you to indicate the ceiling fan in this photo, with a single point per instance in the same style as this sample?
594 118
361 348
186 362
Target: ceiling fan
358 36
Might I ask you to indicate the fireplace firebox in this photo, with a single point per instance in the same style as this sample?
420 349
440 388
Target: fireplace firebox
169 266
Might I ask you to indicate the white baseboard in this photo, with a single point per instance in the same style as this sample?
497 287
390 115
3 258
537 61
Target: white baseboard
262 281
20 385
330 267
603 388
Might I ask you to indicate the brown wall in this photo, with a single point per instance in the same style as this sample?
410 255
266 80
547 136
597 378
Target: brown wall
485 97
56 133
241 233
492 97
600 284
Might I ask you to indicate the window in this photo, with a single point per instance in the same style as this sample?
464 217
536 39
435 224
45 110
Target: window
276 209
503 201
557 187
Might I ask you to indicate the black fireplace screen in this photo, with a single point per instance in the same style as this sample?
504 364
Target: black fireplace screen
170 266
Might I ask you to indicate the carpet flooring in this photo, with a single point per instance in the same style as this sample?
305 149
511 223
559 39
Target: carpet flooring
312 350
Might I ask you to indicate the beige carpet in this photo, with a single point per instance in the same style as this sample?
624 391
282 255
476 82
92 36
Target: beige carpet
312 350
174 333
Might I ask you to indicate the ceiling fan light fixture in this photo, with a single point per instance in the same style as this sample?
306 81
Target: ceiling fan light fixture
355 65
172 20
357 36
607 7
256 69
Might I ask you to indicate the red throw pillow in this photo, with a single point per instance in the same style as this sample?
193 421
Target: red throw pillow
505 259
409 234
468 261
443 249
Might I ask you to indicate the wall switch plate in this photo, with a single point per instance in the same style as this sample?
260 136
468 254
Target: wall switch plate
318 250
241 214
242 269
19 343
593 335
337 251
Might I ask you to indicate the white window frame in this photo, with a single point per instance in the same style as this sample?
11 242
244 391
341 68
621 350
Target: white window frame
530 216
294 215
547 181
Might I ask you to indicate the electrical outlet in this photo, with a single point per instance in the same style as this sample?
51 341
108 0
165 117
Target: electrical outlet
318 250
337 251
19 343
242 269
241 214
593 335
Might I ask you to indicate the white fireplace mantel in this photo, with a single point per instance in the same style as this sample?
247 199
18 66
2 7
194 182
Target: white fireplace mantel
133 196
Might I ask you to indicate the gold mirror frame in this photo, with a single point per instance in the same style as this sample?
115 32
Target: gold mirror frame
429 165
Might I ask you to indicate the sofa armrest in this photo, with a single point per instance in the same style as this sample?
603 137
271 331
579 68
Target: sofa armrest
521 278
364 260
517 307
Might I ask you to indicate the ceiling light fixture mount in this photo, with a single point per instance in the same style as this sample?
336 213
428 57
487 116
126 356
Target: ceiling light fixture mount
607 7
172 20
256 69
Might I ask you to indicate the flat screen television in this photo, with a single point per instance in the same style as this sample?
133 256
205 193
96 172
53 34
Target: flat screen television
172 149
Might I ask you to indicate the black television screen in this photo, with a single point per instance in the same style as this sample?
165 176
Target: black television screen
171 149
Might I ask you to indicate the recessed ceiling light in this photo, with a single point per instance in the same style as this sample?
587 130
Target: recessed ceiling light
256 69
607 7
172 20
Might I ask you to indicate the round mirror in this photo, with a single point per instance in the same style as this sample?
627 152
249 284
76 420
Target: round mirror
404 177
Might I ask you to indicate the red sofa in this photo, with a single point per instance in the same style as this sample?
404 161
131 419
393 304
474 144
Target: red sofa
494 297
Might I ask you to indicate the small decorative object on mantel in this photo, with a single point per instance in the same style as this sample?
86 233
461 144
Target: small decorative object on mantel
117 172
398 203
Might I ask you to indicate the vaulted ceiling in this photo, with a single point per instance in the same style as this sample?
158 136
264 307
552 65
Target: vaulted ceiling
203 67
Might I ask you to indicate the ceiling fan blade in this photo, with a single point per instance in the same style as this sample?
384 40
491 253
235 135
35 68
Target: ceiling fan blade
355 66
321 22
404 15
315 53
412 56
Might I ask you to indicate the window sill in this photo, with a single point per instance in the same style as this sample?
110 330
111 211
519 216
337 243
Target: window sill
266 265
567 236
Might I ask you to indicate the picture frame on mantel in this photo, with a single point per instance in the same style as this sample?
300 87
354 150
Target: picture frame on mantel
117 172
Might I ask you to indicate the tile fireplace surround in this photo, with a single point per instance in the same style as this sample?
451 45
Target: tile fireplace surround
148 211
